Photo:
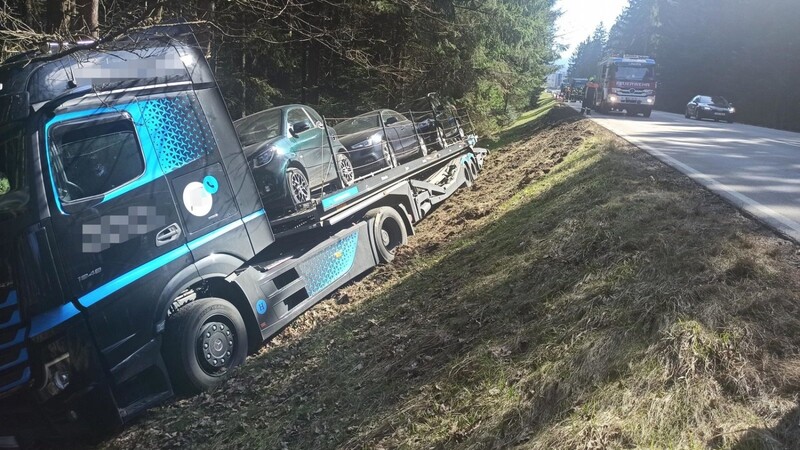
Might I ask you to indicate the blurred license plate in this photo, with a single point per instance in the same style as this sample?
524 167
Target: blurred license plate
719 114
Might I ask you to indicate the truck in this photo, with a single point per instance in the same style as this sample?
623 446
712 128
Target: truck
136 257
626 83
577 89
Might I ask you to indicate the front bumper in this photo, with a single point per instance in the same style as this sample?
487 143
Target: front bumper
715 114
41 410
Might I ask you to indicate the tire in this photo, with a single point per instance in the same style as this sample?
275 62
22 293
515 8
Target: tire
686 114
346 171
388 231
730 120
423 149
388 156
696 115
298 189
196 351
629 113
440 141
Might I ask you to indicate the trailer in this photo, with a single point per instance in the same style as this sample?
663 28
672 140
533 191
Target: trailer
136 257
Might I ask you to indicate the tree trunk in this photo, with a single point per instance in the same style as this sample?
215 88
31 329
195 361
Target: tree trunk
88 22
57 16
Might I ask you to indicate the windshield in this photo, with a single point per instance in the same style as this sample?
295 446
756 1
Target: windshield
13 174
259 127
358 124
719 101
628 73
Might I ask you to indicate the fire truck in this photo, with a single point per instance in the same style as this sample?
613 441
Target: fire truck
627 83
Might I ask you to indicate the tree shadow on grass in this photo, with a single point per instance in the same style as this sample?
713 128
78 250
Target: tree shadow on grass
497 338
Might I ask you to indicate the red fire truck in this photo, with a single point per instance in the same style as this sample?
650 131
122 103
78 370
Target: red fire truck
627 83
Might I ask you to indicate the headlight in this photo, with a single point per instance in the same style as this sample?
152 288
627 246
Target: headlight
731 110
706 108
374 139
265 157
649 100
612 98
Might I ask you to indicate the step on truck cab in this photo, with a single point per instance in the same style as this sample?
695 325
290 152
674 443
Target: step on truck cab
136 258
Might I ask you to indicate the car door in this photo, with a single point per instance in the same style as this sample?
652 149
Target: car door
308 145
403 133
329 171
693 104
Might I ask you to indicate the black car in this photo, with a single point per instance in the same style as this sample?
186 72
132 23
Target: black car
710 107
378 139
436 119
288 152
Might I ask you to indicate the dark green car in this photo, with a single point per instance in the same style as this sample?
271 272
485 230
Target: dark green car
288 152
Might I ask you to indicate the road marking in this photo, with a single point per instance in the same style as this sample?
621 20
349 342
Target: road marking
762 213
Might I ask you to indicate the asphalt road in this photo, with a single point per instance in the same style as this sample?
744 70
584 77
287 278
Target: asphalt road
757 169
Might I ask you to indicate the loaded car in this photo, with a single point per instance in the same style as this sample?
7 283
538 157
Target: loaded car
290 156
379 139
436 119
710 107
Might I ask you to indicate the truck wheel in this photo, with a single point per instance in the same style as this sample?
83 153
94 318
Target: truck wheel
297 186
388 231
345 170
203 341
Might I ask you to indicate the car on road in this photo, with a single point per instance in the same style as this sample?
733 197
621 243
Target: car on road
290 156
710 107
379 139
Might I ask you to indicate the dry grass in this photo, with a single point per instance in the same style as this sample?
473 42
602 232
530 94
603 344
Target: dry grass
582 295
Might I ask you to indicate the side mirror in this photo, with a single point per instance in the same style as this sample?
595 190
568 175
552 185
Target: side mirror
390 121
298 127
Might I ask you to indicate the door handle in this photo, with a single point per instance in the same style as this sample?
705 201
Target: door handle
168 235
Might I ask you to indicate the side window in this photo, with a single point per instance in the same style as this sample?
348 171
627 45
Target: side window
314 116
296 115
91 159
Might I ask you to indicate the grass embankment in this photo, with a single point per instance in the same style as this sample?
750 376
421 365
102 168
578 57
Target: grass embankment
581 295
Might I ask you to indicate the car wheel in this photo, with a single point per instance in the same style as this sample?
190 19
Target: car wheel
440 140
388 156
730 120
647 113
423 149
696 115
686 114
346 173
203 341
297 186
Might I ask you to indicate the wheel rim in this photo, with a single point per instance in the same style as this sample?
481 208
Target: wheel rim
387 155
216 345
391 235
298 185
346 169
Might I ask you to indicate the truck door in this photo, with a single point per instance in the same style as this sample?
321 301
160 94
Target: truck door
117 228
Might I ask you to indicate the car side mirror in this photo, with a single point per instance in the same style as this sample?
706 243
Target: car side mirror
390 121
299 127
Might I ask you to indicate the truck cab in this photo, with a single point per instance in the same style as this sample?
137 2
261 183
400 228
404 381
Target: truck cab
122 184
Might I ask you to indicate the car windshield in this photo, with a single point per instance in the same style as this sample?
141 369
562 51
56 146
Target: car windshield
358 124
259 127
13 173
719 101
628 73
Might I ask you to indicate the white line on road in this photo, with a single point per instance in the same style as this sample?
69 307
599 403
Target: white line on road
765 214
